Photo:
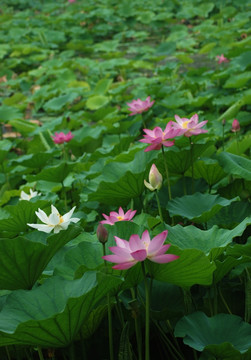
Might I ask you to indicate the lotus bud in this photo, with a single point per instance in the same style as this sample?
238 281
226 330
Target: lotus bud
102 234
223 122
235 125
155 179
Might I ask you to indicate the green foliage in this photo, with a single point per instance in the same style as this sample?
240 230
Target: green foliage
75 67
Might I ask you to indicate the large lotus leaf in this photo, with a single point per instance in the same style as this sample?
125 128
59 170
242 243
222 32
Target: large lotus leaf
23 260
93 321
120 182
55 173
231 215
212 241
200 331
96 102
18 216
79 259
52 314
239 250
197 207
223 267
8 113
58 103
5 146
208 169
192 267
37 160
235 165
123 229
179 161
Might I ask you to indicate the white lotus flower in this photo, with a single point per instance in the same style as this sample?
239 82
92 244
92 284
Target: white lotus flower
24 196
54 221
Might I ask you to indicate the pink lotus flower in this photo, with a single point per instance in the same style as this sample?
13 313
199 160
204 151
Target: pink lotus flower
157 137
127 253
60 138
235 126
222 59
120 216
71 1
138 106
189 127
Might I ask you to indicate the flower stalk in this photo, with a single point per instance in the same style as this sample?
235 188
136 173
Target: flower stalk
167 175
191 156
109 310
159 207
147 317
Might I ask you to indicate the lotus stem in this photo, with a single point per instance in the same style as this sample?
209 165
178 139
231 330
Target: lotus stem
40 353
237 143
191 156
184 185
7 352
137 328
44 142
159 207
147 318
167 175
109 310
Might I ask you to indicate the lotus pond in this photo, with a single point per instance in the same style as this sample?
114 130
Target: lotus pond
125 180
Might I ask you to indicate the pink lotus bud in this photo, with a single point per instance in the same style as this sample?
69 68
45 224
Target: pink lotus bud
235 125
155 179
102 234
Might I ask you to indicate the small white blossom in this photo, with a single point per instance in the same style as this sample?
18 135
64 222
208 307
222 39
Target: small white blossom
54 221
24 196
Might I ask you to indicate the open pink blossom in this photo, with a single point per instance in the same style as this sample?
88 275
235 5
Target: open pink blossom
71 1
128 253
138 106
222 59
60 138
189 127
120 216
157 137
235 125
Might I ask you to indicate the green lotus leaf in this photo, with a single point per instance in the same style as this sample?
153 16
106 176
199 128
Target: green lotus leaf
197 207
82 257
235 165
200 331
37 160
18 216
117 184
192 267
212 242
23 260
208 169
55 173
231 215
96 102
59 103
56 312
8 113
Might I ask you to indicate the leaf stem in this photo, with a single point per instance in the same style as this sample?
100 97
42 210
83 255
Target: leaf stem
159 207
137 327
167 175
191 156
40 353
147 317
109 310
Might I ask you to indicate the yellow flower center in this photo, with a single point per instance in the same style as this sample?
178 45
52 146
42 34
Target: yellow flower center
184 125
61 219
120 218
